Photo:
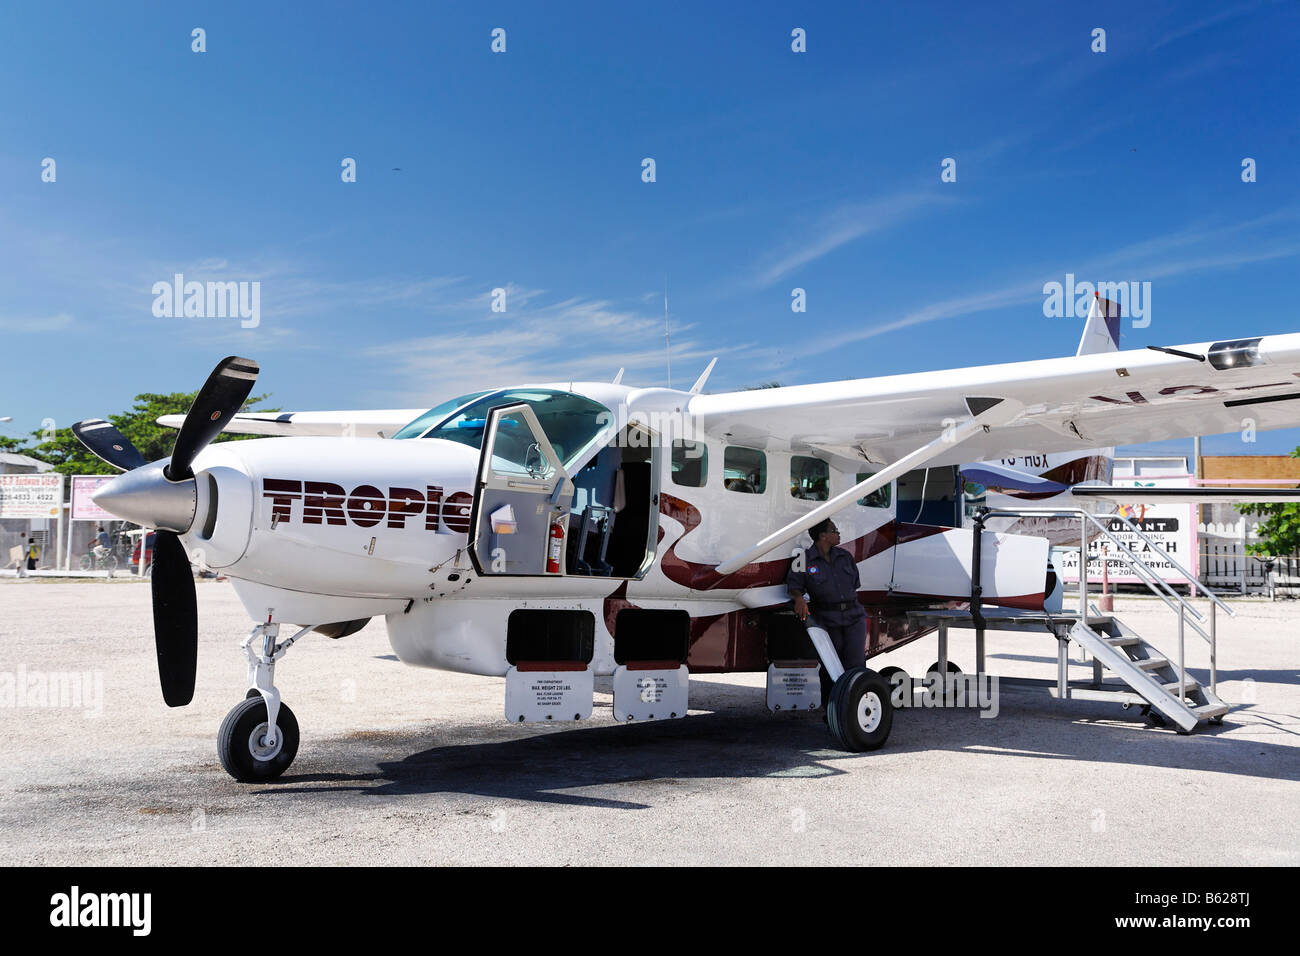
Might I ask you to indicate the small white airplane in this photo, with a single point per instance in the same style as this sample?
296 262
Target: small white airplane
551 533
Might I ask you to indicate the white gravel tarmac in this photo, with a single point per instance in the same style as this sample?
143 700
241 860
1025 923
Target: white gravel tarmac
407 766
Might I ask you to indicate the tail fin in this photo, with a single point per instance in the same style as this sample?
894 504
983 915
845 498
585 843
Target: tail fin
1101 333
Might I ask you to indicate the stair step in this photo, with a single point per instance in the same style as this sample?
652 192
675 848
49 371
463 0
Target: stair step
1122 641
1188 686
1152 663
1210 710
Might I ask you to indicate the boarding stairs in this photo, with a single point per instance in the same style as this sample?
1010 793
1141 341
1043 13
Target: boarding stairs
1141 673
1152 679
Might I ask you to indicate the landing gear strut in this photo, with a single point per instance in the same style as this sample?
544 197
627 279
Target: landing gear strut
259 737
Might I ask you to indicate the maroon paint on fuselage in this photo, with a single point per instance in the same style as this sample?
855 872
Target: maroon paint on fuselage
737 640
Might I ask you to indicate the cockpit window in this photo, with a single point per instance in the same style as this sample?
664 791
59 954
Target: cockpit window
435 415
571 422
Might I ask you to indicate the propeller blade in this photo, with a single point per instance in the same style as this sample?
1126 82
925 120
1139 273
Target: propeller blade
175 618
104 441
221 396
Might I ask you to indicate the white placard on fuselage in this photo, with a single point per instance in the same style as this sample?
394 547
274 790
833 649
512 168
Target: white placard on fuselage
539 695
794 688
650 694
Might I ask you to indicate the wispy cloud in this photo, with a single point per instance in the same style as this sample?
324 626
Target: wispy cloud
1205 23
48 323
573 339
1156 258
841 226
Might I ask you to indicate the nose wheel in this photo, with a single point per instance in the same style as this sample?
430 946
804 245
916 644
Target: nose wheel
259 737
248 751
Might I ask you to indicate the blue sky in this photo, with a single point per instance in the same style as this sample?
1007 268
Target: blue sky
522 171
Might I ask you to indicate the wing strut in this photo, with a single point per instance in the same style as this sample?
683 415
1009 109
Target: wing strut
1000 412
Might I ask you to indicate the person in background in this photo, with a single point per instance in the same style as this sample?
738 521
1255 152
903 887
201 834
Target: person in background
33 552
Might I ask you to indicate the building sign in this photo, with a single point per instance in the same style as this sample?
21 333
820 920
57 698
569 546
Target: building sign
83 509
31 496
1171 526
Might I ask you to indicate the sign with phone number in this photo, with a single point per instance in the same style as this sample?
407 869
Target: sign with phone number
31 496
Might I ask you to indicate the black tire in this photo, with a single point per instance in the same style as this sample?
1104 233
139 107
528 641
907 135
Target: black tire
235 744
1154 717
949 697
860 713
893 676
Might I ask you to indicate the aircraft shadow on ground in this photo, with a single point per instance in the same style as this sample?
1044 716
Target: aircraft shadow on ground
544 765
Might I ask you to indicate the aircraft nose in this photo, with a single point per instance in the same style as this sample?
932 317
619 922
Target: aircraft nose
147 497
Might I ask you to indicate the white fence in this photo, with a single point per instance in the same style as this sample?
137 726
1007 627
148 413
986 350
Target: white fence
1226 565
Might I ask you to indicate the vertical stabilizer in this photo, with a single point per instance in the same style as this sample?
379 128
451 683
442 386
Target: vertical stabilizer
1101 332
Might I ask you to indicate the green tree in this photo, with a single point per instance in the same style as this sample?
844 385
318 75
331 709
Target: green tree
62 450
1279 532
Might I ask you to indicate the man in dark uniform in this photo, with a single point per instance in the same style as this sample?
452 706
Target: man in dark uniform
830 579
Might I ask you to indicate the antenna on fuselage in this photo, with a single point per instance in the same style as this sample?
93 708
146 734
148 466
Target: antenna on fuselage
667 342
619 377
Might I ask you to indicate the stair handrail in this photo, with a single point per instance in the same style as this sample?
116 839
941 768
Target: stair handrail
1191 579
1154 583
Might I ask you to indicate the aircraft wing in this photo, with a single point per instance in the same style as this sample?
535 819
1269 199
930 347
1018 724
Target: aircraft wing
359 423
1075 403
1191 496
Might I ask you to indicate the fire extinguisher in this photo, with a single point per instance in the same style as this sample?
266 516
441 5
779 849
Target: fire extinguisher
556 547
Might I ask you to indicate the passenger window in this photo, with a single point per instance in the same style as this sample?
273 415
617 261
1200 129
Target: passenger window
810 478
690 463
878 498
744 470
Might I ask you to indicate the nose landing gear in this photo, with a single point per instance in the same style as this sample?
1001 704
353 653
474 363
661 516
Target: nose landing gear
259 737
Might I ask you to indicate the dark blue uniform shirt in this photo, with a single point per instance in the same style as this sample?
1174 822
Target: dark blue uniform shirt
828 581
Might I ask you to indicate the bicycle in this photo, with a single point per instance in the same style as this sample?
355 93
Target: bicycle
99 558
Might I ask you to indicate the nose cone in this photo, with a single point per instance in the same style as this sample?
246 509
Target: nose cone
146 497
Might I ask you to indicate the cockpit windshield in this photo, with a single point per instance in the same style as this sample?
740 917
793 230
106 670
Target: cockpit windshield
571 422
435 415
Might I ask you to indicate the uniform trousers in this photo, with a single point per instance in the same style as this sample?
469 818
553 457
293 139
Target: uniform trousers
849 637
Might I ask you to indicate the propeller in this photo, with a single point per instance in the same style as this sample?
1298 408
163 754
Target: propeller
175 619
106 442
162 495
221 396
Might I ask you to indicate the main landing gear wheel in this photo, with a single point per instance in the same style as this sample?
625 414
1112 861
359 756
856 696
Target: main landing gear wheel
898 679
949 693
860 713
241 741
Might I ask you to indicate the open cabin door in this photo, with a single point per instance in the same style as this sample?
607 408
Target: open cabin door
519 518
